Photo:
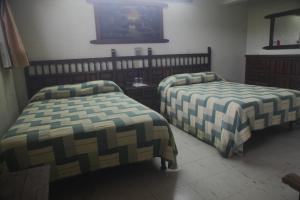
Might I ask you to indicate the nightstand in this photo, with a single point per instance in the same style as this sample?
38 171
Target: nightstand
146 95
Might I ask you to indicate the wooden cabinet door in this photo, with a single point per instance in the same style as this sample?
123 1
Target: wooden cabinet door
274 70
257 72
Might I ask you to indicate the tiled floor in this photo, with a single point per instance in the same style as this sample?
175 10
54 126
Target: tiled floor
202 174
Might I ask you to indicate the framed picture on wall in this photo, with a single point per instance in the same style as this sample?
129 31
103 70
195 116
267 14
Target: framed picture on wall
128 22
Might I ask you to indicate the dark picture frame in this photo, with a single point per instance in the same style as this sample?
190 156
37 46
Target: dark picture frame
128 22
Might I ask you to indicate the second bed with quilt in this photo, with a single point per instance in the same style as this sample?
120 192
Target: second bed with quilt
224 113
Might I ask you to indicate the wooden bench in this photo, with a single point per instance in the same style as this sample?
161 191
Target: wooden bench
30 184
293 180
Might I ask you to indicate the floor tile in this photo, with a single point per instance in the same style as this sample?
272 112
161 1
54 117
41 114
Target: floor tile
202 173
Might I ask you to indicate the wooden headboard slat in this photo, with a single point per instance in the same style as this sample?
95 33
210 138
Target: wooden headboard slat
120 69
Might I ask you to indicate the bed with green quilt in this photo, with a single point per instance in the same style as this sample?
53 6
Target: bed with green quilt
85 127
223 113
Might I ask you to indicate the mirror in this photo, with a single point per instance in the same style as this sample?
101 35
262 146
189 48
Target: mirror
284 30
287 30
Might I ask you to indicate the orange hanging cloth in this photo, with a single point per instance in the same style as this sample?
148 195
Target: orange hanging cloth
14 42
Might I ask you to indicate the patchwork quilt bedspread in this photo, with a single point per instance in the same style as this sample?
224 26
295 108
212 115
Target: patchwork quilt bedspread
85 127
224 113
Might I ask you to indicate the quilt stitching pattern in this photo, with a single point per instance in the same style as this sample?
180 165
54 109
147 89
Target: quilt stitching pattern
224 113
85 133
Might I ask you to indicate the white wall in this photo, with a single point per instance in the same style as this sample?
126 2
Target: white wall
258 27
61 29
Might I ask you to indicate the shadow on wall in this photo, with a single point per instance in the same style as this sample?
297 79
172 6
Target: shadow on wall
30 20
29 27
20 87
8 100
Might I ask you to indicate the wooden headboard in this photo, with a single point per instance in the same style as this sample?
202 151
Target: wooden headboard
120 69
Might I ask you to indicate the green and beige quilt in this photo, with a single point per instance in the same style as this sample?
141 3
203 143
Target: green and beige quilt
85 127
224 113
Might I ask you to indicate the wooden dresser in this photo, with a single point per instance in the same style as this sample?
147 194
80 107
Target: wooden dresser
273 70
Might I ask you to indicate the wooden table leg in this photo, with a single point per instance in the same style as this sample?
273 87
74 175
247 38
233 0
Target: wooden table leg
291 126
163 164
